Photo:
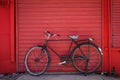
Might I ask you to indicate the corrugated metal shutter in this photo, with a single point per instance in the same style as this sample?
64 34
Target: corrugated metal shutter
116 23
81 17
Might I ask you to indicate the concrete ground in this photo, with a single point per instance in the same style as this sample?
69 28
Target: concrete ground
62 77
67 77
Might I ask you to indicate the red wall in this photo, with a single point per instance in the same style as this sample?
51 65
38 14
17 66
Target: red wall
7 49
6 63
111 35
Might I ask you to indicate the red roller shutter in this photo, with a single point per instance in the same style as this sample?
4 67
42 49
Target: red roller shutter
81 17
116 23
115 27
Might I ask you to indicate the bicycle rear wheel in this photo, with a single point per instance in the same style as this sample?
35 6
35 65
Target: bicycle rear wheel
36 61
86 57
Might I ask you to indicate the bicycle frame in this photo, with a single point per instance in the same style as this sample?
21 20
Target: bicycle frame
72 41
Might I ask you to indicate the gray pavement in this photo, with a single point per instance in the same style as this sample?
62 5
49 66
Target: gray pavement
62 77
67 77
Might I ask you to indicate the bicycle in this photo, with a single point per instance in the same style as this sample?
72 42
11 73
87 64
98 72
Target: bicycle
85 56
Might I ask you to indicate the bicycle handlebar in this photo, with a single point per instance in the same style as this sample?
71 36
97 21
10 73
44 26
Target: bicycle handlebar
48 34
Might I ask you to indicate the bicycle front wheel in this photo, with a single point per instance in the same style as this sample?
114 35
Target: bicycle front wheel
86 57
36 61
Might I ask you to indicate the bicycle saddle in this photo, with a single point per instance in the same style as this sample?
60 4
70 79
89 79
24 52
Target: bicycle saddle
73 36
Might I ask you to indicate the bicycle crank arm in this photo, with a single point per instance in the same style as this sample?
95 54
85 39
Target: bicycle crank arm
62 63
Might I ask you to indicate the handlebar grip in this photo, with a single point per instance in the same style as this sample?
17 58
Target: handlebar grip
48 32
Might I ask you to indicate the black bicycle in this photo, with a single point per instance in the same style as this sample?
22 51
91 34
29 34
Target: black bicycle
85 56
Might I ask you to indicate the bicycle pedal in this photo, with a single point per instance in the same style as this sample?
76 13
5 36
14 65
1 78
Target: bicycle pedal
62 63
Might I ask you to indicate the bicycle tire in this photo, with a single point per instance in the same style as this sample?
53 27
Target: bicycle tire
84 61
37 60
